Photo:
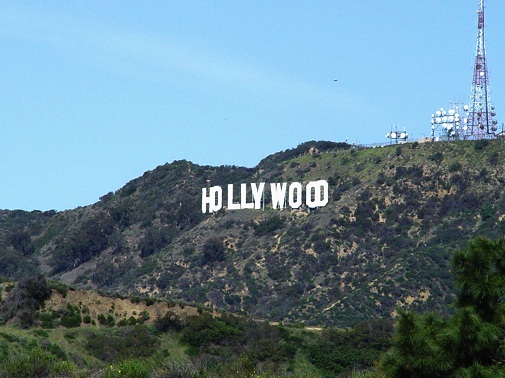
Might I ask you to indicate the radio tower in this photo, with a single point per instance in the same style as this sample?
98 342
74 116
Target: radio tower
480 123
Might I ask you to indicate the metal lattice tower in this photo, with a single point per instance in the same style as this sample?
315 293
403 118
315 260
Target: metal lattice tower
480 123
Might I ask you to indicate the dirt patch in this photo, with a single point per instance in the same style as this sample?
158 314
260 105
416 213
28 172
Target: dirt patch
95 304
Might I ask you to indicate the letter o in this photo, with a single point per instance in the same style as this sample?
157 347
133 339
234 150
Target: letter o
320 190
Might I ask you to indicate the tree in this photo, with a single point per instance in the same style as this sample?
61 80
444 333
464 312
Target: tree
25 299
471 342
22 242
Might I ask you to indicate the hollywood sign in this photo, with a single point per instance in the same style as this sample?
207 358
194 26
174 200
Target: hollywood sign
316 195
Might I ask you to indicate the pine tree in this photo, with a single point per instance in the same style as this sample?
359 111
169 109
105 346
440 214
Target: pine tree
472 342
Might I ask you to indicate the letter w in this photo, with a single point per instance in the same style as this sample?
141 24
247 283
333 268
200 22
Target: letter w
278 195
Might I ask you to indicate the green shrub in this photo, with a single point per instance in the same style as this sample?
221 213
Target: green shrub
212 250
70 335
36 363
455 167
480 144
41 332
169 322
149 301
71 320
268 226
122 323
47 320
129 342
27 297
59 287
107 321
129 369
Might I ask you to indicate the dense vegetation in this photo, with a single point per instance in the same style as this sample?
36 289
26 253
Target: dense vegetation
201 344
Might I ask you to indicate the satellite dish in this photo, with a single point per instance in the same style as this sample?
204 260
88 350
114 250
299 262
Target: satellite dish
465 120
444 119
387 135
465 108
438 113
438 120
451 112
494 128
450 118
493 114
393 135
465 127
402 135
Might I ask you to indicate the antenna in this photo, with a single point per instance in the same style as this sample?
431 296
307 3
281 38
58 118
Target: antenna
481 124
447 123
397 136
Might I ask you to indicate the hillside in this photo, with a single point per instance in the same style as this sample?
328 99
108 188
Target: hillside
50 330
384 239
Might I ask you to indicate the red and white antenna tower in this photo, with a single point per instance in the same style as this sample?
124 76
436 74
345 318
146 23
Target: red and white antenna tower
480 123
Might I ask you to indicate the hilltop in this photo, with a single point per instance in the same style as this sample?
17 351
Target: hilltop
384 240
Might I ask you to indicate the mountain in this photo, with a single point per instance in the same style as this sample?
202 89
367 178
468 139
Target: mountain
394 216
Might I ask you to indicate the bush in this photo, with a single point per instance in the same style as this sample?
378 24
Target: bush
437 157
129 369
130 342
71 321
213 250
27 297
22 242
149 301
36 363
59 287
107 321
268 226
480 144
169 322
455 167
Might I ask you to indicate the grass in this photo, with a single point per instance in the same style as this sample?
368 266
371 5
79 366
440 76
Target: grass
74 347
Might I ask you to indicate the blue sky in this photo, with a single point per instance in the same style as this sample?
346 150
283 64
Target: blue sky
97 92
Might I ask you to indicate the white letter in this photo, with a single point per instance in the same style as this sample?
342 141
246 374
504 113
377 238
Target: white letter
257 193
243 198
215 204
319 187
291 196
278 195
231 205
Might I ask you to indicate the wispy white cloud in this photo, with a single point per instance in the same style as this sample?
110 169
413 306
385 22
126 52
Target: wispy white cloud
120 49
